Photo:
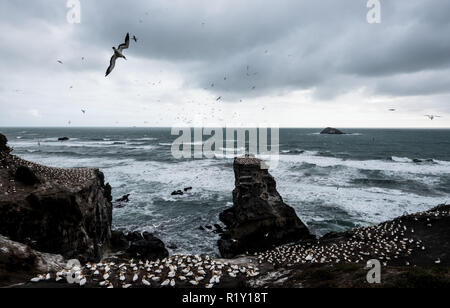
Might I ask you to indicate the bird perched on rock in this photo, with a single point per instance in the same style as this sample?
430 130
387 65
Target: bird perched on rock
118 54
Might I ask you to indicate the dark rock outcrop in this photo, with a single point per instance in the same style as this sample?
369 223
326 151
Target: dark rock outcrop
259 219
331 131
25 175
177 193
3 145
122 202
125 198
19 263
64 139
138 245
119 241
65 211
149 248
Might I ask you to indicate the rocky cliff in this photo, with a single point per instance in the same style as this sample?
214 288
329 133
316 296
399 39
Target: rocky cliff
19 263
259 219
53 210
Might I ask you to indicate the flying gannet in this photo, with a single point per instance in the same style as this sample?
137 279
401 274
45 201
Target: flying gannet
432 117
118 54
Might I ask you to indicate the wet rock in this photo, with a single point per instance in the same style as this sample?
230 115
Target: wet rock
177 193
172 246
188 189
64 139
218 229
125 198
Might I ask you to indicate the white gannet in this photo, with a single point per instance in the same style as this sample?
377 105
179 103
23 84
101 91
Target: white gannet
118 54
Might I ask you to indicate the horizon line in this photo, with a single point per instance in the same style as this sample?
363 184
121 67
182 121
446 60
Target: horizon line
169 127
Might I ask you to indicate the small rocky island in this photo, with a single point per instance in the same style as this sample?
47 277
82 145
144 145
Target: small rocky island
49 215
331 131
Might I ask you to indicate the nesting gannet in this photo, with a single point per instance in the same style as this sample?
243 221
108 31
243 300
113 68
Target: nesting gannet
83 281
36 279
118 54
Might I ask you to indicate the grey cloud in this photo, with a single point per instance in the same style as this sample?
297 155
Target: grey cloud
323 45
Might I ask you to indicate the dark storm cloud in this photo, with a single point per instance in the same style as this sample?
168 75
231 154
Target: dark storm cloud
260 47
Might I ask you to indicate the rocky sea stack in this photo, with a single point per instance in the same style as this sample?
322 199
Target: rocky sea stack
53 210
259 219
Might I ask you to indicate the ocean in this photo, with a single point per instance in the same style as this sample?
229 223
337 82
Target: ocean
334 182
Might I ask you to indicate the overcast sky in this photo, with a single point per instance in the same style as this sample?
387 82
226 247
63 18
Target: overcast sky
296 63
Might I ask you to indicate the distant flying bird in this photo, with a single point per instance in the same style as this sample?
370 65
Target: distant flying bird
60 62
135 38
83 111
118 54
431 117
392 110
219 98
